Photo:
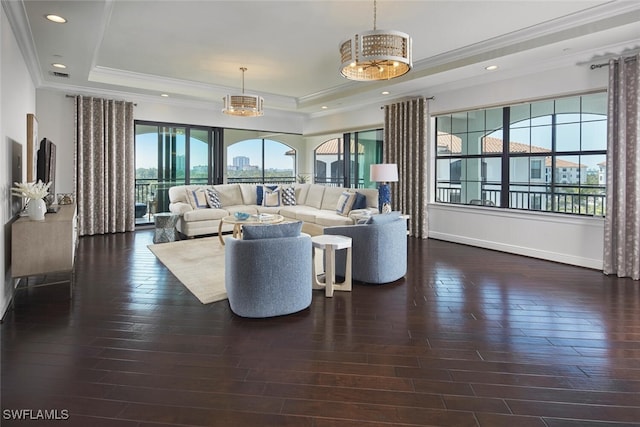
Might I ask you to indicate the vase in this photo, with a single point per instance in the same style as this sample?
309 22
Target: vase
36 209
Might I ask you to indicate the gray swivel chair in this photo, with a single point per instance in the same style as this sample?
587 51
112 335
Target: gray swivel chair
268 276
379 249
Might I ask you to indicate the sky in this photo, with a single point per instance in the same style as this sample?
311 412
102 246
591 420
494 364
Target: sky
147 152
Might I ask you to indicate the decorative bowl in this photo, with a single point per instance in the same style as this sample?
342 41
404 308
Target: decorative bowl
241 215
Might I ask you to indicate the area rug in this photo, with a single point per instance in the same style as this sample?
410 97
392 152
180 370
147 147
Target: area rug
198 264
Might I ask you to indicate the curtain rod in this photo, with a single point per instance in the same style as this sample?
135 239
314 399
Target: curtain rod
428 98
605 64
73 96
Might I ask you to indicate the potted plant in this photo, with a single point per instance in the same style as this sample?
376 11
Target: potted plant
34 192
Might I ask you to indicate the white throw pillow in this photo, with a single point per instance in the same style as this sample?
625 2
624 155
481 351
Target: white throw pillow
197 198
345 202
271 198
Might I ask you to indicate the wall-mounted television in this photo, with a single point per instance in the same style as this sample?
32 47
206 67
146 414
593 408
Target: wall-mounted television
46 165
16 175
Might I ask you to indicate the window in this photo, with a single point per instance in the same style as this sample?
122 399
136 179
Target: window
547 155
361 149
536 169
260 161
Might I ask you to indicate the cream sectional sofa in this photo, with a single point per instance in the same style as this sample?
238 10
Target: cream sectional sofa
315 205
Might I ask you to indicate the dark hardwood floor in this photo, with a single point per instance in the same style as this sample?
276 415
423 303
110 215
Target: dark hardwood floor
470 337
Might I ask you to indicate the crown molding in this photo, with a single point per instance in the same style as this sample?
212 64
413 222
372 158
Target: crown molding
179 87
17 17
595 19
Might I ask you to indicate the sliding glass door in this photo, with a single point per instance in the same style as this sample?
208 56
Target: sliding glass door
345 161
366 150
166 156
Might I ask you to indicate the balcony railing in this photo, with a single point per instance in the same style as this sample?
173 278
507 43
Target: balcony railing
563 202
258 180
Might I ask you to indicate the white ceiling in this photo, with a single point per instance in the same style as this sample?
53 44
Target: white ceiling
192 50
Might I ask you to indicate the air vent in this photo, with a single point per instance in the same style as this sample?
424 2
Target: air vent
59 74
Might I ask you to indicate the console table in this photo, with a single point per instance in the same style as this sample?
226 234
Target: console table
40 248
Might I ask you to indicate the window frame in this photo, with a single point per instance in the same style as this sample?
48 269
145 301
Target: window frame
459 139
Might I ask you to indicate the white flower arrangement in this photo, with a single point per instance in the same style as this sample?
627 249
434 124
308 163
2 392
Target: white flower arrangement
31 190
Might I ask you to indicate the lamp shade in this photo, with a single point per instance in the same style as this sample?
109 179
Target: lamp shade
384 172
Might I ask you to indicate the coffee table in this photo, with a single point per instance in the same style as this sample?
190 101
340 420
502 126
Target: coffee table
253 219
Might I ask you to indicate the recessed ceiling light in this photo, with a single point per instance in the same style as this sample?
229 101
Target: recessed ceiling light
56 18
58 65
324 107
386 92
491 68
164 95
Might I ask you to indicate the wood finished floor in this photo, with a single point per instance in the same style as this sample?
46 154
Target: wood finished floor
470 337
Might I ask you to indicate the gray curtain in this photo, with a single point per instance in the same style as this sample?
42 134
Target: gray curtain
622 222
405 143
105 168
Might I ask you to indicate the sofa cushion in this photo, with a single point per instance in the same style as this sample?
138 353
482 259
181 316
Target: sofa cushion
230 194
271 197
331 197
330 218
384 218
205 214
291 211
288 196
270 231
213 198
301 193
314 196
345 202
308 214
197 198
249 196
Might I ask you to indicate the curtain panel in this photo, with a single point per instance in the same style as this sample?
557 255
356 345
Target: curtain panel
105 166
405 143
622 221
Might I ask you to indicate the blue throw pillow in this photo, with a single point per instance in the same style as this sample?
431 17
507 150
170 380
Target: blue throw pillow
384 218
360 202
270 231
260 192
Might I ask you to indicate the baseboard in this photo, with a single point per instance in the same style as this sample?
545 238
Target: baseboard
6 304
595 264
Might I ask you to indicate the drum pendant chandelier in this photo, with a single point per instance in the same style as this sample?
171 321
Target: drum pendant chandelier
376 55
244 105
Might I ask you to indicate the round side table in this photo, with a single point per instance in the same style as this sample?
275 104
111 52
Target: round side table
165 223
330 244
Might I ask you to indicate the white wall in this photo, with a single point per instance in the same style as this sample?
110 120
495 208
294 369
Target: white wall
562 238
363 118
17 98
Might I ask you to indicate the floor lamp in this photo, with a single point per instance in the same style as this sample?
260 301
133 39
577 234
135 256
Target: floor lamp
382 174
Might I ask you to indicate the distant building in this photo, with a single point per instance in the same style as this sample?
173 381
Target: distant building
602 173
240 162
475 178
